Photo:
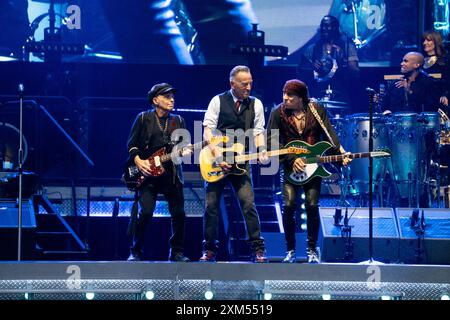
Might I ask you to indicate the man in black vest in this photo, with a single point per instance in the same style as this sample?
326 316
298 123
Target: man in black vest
230 112
152 130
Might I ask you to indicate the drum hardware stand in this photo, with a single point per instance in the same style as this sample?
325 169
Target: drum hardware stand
346 233
419 229
410 190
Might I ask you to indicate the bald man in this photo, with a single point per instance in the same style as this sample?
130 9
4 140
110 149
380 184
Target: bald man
416 92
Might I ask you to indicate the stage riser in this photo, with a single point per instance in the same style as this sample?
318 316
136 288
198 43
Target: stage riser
9 231
393 238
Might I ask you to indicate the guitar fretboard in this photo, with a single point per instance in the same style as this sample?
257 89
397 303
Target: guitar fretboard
255 156
340 157
168 156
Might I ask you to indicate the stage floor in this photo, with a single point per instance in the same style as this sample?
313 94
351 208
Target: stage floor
119 280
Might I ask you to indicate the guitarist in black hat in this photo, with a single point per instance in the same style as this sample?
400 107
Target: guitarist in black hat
297 118
152 130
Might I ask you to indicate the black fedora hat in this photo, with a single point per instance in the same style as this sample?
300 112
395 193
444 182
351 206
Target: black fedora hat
158 89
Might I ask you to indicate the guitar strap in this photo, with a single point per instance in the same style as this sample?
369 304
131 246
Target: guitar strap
319 119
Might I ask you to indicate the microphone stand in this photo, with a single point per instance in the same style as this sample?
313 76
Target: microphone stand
19 233
371 93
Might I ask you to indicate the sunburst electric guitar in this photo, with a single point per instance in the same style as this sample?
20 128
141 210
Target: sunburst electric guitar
314 158
212 172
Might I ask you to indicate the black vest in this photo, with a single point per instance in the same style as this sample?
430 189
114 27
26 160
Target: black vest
230 118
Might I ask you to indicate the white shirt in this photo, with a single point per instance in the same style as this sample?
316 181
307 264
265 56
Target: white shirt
212 114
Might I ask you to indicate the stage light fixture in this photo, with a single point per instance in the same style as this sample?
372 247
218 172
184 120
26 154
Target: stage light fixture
303 196
209 295
385 297
303 226
90 295
267 296
302 206
303 216
149 295
445 296
326 296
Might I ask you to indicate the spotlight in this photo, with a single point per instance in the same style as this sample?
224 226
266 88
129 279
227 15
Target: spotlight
302 206
386 298
27 296
303 196
303 226
149 295
209 295
267 296
90 295
326 296
303 216
445 297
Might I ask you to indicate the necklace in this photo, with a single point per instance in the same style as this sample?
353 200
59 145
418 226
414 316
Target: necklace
159 123
300 123
429 61
299 116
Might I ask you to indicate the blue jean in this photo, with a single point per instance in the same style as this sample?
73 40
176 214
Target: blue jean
242 187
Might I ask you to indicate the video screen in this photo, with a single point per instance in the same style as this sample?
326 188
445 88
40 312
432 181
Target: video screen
200 32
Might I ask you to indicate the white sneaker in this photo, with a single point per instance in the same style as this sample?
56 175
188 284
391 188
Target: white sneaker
290 257
313 255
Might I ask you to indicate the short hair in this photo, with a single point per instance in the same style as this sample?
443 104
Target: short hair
419 57
238 69
437 40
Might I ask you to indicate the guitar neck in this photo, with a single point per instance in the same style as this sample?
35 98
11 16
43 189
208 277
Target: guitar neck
338 158
168 156
255 156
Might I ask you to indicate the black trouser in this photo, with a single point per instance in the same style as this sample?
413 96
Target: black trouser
290 195
173 193
242 186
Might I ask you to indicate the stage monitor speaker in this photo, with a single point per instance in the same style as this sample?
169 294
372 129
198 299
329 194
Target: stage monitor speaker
338 248
9 230
433 247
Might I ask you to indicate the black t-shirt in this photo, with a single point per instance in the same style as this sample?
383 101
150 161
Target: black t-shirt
423 96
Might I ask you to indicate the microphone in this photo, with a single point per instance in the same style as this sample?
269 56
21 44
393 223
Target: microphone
337 217
21 89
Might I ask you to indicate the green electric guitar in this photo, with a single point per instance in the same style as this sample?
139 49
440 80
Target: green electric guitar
313 158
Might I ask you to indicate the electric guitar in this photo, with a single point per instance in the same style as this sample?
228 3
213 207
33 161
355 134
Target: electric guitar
212 172
313 158
133 178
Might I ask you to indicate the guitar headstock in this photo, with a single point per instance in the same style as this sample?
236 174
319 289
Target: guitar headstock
296 150
381 153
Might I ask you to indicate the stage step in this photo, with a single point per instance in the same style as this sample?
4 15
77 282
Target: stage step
64 255
265 201
55 239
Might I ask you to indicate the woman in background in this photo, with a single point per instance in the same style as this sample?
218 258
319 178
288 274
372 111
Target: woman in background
436 61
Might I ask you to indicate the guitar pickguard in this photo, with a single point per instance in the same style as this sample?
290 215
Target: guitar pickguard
304 176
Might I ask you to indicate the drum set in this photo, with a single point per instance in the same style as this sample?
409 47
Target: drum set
413 174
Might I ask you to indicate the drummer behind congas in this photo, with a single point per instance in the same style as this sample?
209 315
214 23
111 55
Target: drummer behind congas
416 91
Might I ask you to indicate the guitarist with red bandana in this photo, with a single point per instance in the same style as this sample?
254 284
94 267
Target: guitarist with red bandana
297 118
151 131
